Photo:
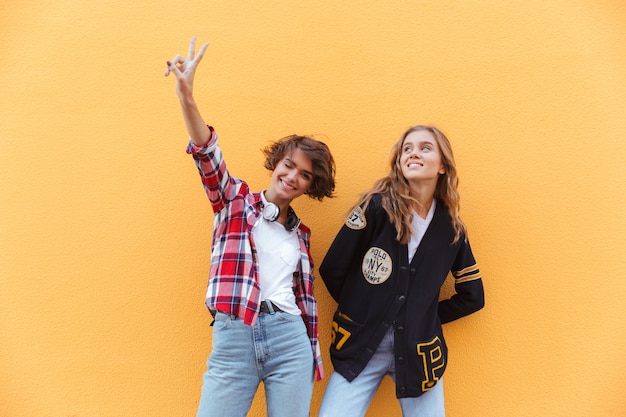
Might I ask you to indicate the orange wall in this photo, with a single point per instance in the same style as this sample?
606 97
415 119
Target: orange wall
105 231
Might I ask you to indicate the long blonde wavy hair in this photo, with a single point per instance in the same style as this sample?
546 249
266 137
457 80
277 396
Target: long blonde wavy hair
394 188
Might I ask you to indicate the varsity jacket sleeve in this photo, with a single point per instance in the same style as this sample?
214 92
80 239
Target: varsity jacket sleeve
468 286
349 244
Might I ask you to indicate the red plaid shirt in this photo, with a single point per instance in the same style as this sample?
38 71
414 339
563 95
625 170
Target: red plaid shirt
233 280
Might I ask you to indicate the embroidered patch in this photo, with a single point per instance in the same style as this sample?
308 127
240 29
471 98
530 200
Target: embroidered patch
433 360
376 266
356 221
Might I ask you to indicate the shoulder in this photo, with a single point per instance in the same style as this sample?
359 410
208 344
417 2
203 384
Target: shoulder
374 205
365 213
441 210
376 200
306 231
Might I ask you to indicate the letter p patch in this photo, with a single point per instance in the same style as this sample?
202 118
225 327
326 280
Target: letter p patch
433 359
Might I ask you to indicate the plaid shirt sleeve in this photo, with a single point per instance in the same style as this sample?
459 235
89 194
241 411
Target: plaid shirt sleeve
212 168
305 298
233 286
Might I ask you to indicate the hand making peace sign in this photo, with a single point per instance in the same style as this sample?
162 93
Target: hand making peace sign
185 69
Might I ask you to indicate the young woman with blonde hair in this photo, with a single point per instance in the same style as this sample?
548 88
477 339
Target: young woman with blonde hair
385 269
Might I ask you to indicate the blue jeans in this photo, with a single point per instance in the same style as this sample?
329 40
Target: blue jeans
351 399
275 351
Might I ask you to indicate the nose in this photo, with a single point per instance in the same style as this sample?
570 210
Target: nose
292 174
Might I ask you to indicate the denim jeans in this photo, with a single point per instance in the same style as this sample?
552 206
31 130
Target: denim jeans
351 399
275 351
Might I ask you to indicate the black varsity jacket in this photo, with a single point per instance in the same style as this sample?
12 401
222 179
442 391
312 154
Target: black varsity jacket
368 273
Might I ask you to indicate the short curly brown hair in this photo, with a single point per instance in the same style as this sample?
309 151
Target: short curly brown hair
323 184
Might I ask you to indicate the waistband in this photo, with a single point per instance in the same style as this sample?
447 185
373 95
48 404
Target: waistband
268 307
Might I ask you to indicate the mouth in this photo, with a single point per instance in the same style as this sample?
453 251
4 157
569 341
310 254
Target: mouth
414 164
287 186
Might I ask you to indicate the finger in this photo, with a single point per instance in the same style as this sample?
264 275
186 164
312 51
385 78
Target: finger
201 52
178 59
175 64
171 67
192 48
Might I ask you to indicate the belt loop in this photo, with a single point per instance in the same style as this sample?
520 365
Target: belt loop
267 307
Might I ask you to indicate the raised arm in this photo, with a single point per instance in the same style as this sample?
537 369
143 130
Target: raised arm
184 70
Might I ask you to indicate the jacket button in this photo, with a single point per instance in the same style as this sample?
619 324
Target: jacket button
400 329
412 271
401 359
401 298
402 390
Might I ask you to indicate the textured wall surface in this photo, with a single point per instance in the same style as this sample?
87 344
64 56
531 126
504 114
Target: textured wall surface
105 231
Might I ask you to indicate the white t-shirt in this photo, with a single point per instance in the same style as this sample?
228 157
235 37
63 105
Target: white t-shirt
419 229
278 254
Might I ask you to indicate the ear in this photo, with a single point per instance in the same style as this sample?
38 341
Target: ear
442 169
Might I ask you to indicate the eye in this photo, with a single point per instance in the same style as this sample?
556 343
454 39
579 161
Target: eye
307 176
427 148
406 149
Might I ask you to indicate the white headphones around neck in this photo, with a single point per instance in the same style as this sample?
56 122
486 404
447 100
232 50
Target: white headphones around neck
271 212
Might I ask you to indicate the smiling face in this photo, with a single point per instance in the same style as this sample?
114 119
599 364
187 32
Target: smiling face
420 158
291 178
